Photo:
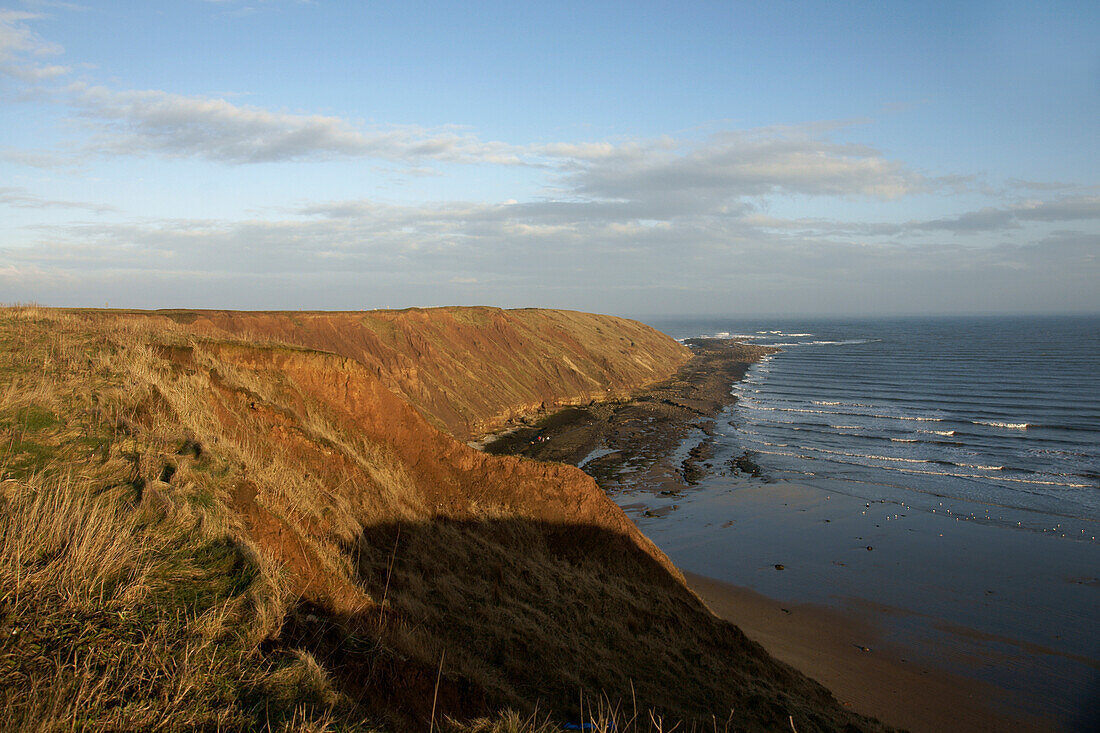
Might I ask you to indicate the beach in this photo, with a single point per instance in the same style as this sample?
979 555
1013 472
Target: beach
831 646
930 617
933 628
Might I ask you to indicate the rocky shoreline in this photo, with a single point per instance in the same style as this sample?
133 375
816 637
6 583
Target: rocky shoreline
631 445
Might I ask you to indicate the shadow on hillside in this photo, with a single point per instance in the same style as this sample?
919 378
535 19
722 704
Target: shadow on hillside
528 613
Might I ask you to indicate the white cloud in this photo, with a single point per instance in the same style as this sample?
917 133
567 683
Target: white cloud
55 4
35 72
669 175
17 39
732 164
157 122
662 172
990 219
393 255
21 198
529 244
20 47
35 158
1070 208
1040 185
981 221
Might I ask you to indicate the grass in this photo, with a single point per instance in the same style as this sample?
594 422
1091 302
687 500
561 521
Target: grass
119 612
124 618
197 533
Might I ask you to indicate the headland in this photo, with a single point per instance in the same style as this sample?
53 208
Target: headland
258 520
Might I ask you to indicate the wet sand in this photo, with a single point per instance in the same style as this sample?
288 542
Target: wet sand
847 652
1010 611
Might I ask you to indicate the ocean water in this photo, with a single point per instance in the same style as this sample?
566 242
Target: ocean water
938 476
995 419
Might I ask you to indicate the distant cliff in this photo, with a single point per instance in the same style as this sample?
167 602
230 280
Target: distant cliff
468 370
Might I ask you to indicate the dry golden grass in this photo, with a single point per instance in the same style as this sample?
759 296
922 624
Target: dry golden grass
205 533
119 609
129 603
119 617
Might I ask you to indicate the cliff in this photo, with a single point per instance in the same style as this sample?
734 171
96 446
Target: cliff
260 534
470 370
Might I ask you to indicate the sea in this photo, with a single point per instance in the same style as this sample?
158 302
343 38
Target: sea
996 419
939 474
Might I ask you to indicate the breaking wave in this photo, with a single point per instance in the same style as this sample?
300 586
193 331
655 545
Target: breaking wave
839 457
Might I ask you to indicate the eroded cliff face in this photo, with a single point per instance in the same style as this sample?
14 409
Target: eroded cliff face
378 458
469 370
533 584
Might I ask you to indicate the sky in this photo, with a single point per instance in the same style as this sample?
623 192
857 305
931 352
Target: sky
636 158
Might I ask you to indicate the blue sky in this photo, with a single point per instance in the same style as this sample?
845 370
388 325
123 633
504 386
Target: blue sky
633 158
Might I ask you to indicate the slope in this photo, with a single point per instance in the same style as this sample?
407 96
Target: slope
470 370
306 549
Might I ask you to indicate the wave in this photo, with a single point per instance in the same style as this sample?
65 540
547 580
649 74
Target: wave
947 433
1041 483
1009 425
1074 428
724 335
867 432
846 414
906 417
829 403
871 456
728 335
898 459
842 342
951 474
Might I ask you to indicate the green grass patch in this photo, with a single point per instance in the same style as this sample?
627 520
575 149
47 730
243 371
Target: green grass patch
32 418
228 572
26 457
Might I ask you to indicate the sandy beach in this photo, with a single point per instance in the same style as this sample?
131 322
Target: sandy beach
848 653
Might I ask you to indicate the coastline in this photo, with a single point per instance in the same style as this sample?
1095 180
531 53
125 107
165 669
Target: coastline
358 550
631 444
947 650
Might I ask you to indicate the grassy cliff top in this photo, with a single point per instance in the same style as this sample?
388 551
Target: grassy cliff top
199 531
